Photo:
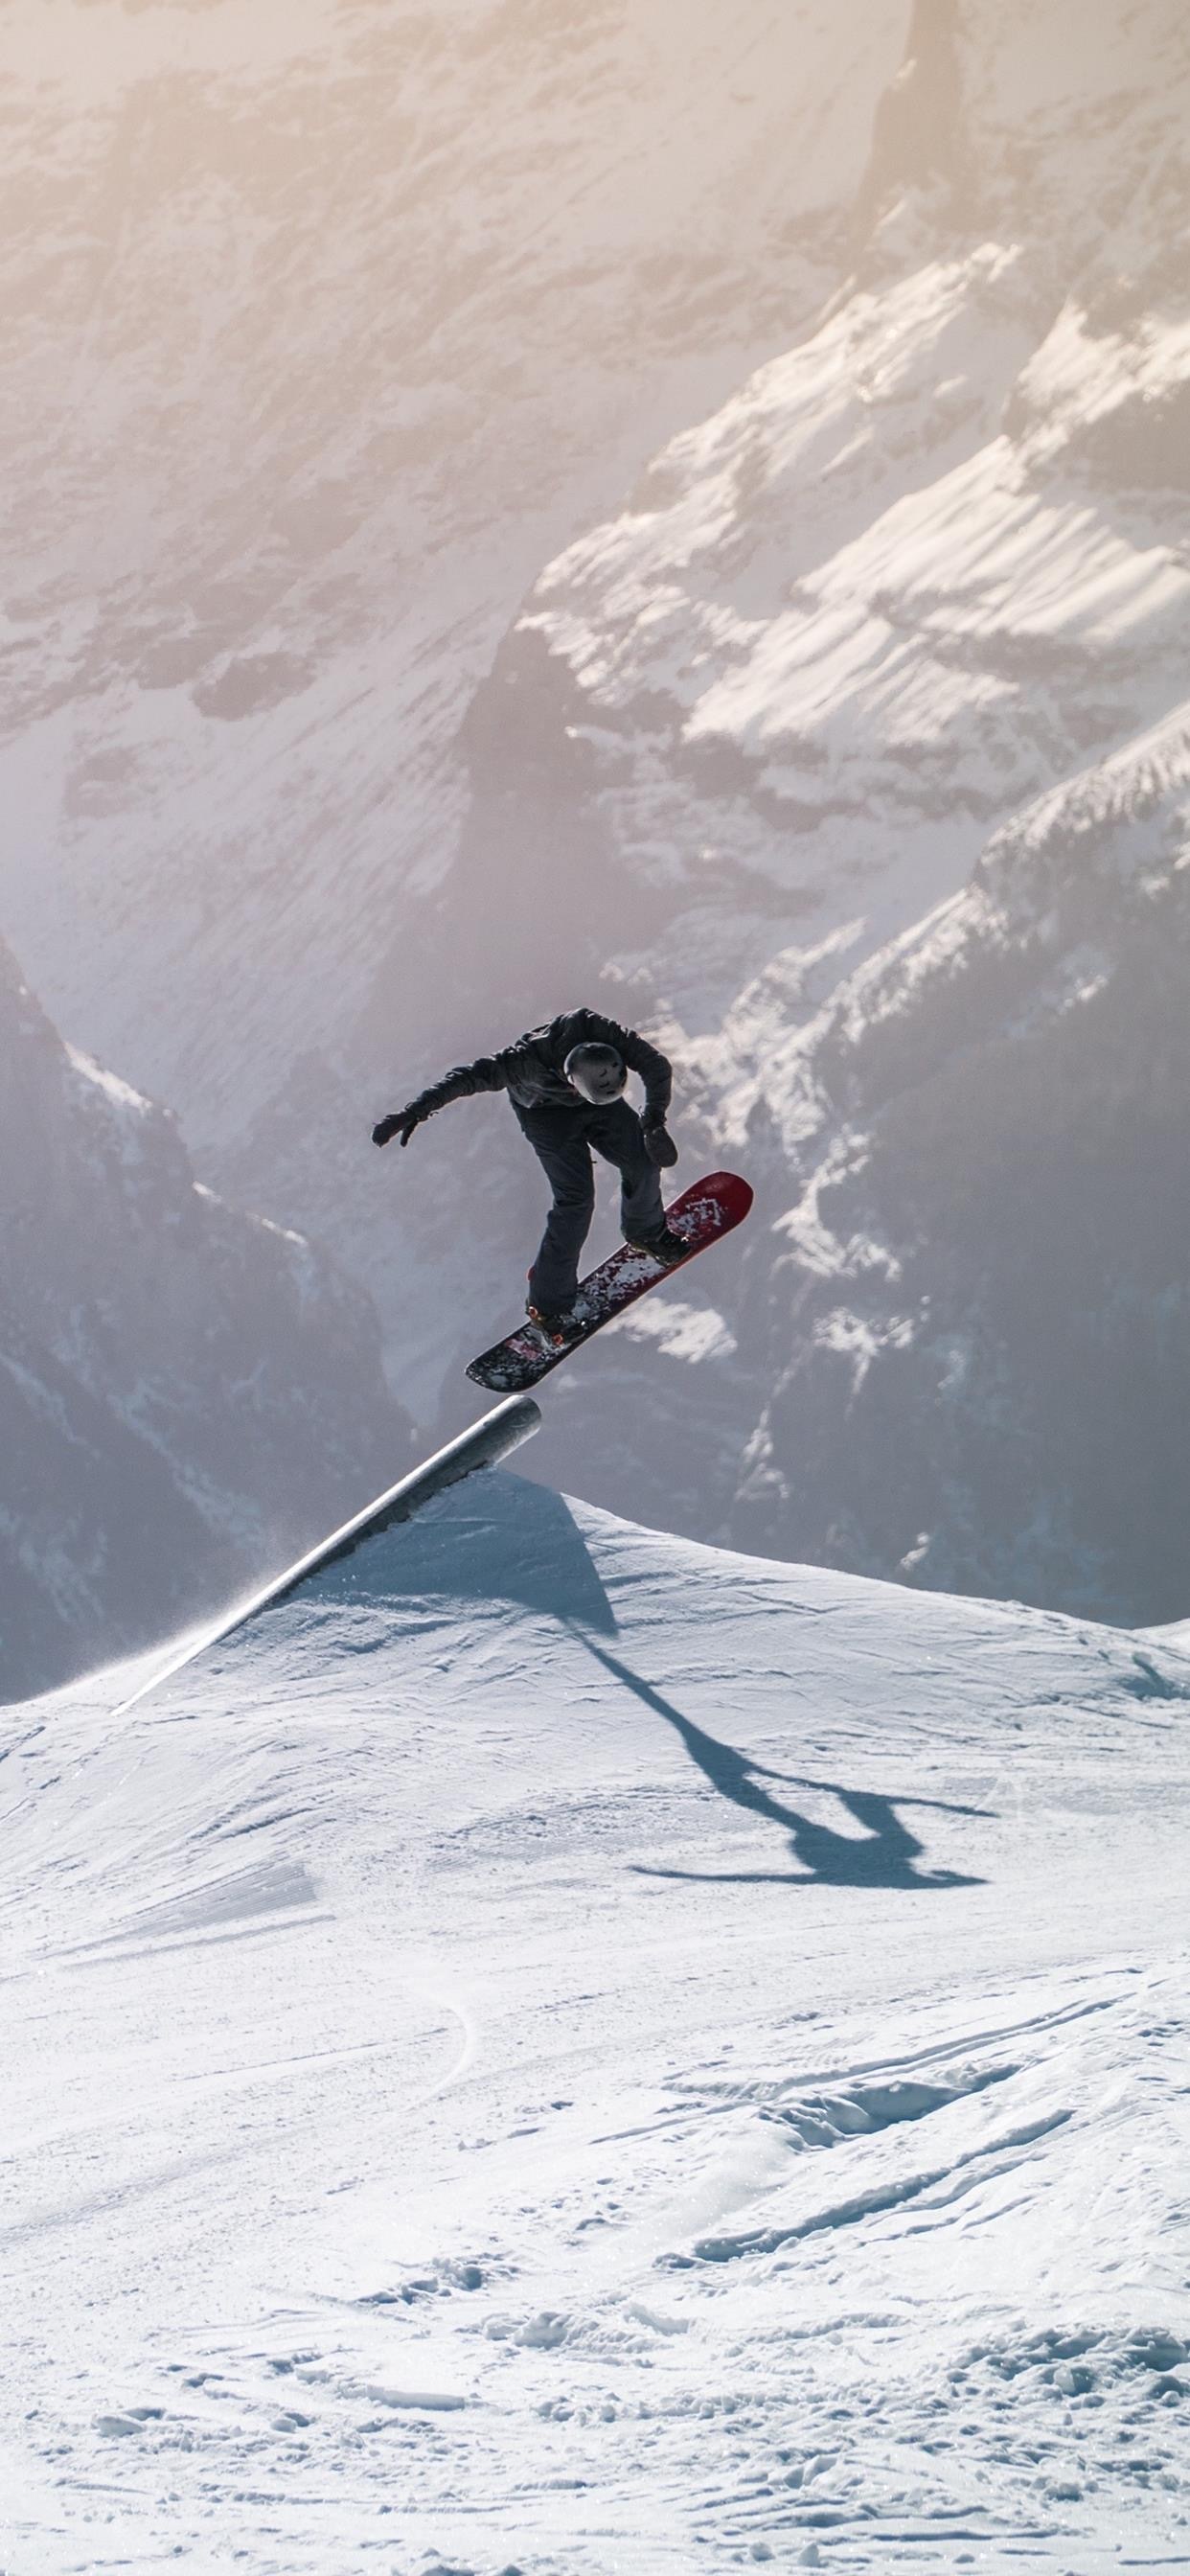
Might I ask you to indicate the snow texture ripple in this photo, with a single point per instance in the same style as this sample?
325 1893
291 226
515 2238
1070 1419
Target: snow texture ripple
561 2049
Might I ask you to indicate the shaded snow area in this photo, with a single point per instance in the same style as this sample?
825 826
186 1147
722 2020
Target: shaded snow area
561 2049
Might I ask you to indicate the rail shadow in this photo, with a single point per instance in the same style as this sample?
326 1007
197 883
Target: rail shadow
494 1537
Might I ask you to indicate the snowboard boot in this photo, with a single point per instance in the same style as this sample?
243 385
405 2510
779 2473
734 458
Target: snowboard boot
666 1247
553 1323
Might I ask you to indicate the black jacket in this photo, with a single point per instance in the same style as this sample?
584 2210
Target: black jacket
531 1069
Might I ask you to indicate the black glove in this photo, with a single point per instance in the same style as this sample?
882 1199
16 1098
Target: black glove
660 1148
399 1122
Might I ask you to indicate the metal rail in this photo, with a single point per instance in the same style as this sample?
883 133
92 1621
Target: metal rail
500 1431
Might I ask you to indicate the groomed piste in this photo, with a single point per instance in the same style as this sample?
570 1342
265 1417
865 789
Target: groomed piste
554 2047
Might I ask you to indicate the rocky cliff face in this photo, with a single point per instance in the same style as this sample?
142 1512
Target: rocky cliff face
915 570
334 322
908 612
977 1315
481 629
188 1395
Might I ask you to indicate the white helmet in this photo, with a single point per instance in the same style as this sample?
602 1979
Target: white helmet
598 1071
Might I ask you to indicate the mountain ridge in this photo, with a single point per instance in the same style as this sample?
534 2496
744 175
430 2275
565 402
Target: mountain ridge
188 1391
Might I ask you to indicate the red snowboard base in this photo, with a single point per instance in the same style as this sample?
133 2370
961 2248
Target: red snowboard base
704 1212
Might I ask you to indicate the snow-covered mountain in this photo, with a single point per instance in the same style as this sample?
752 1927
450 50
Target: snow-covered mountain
474 628
333 323
977 1319
186 1393
336 324
558 2048
915 571
912 600
910 610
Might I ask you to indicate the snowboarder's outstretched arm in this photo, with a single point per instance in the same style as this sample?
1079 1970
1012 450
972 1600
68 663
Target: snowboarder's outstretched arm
486 1074
533 1071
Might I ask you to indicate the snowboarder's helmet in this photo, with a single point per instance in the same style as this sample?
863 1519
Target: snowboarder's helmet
598 1071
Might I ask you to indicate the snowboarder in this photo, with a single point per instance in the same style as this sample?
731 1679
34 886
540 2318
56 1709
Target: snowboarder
566 1083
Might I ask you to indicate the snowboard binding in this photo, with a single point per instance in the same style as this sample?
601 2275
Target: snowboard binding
666 1247
556 1328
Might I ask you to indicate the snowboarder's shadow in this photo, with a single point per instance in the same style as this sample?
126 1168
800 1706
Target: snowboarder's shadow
885 1855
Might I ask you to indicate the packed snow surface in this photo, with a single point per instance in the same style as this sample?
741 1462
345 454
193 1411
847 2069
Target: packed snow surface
560 2049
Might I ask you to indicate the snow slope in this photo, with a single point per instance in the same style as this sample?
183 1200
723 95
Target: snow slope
559 2049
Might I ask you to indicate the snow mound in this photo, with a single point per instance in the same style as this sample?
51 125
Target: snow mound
557 2046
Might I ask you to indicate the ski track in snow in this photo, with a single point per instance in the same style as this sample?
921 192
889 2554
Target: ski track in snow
559 2049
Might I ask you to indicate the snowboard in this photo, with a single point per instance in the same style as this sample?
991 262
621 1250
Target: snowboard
704 1212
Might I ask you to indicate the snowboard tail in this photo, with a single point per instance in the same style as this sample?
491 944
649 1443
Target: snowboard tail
708 1209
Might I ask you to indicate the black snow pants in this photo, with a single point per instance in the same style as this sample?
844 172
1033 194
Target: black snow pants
562 1140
